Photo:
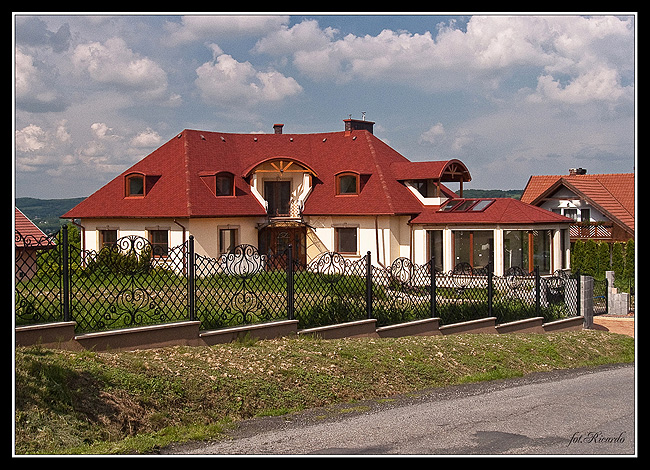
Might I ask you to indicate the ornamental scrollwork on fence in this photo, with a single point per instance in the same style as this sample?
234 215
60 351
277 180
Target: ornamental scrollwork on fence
243 261
332 266
229 287
132 272
515 277
555 286
462 277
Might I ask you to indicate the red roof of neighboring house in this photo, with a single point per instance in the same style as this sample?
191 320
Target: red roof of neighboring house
28 231
501 211
612 194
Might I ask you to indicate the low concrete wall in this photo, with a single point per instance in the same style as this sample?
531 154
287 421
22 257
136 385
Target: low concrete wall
261 331
355 329
142 337
568 324
61 335
426 327
529 325
50 335
484 325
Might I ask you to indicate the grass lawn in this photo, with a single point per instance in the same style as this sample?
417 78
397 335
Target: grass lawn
134 402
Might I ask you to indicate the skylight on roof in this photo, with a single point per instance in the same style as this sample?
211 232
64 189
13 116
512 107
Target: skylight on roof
466 205
482 205
450 205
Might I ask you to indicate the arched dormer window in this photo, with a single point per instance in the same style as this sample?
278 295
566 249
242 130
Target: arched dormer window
347 183
134 185
225 184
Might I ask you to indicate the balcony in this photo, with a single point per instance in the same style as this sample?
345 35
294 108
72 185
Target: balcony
591 230
281 185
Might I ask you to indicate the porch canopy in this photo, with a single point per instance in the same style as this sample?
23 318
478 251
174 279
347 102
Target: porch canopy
447 171
279 164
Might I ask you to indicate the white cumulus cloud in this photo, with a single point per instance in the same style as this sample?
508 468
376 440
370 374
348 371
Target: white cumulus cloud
112 62
227 81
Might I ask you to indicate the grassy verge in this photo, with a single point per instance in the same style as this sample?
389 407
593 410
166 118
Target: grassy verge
134 402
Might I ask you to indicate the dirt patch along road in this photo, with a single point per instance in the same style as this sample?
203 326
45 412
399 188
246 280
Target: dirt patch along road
620 325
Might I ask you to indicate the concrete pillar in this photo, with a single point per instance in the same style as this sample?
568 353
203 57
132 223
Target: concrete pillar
617 303
587 300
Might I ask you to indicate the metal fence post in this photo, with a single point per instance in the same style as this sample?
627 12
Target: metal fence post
190 281
432 286
290 294
65 268
538 292
368 286
490 289
578 296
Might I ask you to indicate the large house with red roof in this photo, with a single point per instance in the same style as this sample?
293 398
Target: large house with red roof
601 205
344 191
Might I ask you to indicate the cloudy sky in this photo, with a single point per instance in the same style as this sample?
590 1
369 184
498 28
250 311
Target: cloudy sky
510 96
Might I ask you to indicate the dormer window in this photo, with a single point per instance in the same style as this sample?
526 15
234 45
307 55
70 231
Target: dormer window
225 184
347 184
135 185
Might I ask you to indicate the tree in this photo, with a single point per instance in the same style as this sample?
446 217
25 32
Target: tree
576 256
590 258
618 261
628 272
603 259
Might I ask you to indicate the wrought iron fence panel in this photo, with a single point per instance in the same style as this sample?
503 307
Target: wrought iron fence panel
130 283
330 290
559 295
401 292
600 296
38 293
240 287
462 294
514 295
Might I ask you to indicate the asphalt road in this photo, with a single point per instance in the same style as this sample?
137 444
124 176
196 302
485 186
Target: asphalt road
577 412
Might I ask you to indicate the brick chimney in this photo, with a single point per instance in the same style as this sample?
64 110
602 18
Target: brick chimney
278 128
358 125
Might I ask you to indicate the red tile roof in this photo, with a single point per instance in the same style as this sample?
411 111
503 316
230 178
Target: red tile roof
612 194
176 189
179 192
501 211
29 232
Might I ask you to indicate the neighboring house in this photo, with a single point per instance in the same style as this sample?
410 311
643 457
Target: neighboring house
601 205
343 191
29 241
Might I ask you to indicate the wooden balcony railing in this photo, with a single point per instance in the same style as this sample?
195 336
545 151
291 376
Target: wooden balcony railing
593 230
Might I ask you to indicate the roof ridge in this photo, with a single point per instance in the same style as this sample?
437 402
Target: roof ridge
380 172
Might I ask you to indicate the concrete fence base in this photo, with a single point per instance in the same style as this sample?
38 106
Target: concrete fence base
62 336
355 329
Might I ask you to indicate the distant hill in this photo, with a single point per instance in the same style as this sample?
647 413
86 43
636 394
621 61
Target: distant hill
45 213
509 193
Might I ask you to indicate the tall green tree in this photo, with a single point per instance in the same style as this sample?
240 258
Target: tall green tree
618 260
628 272
590 258
603 259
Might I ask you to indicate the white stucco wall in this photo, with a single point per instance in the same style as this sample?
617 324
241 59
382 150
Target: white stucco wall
386 237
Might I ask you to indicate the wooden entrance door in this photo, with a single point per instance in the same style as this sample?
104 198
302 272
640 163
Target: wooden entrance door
274 240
